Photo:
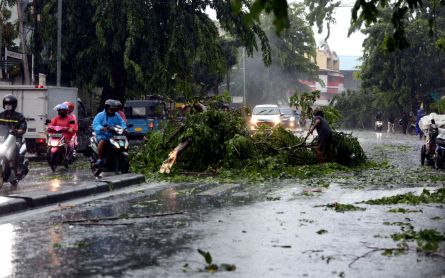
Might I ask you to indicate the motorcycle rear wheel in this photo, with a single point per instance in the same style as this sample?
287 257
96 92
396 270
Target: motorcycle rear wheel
1 177
422 155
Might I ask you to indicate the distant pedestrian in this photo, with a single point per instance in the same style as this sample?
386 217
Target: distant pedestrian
324 135
391 121
379 125
404 122
419 116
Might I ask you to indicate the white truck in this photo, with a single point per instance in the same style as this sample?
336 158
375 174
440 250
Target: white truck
37 104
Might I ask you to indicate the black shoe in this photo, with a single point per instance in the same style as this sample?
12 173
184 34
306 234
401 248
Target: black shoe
99 163
14 182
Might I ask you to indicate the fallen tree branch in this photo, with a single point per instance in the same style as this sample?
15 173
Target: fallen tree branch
377 249
120 218
172 156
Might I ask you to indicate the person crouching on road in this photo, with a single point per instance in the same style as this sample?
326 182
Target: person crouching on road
324 135
62 119
16 122
101 123
73 118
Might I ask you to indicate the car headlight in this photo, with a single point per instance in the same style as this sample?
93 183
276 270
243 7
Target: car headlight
253 121
277 121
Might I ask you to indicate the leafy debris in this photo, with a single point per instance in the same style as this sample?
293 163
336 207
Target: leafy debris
425 197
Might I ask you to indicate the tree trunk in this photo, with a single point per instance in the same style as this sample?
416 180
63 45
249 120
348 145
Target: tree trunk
228 81
117 88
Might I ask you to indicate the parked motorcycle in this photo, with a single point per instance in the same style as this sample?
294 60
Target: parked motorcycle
58 152
439 155
116 155
8 159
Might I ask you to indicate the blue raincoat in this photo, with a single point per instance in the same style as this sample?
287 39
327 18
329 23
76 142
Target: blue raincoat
101 120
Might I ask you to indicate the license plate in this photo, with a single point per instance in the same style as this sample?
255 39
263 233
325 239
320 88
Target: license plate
56 135
138 129
119 137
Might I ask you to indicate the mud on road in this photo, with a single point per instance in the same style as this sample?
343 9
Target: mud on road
282 228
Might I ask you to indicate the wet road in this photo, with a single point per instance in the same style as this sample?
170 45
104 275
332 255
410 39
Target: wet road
40 177
276 229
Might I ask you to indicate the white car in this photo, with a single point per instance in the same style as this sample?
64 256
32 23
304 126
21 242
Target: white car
265 115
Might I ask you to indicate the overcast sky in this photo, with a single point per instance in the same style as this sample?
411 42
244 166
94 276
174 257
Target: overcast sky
338 40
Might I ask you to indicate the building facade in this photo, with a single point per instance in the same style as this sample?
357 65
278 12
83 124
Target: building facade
329 74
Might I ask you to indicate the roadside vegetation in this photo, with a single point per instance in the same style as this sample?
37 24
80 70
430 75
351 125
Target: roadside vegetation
219 144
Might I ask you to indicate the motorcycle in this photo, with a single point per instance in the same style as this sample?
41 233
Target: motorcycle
58 152
8 160
439 155
116 155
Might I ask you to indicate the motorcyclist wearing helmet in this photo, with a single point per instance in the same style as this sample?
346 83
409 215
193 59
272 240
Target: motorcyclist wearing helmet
73 118
62 119
103 120
120 110
17 124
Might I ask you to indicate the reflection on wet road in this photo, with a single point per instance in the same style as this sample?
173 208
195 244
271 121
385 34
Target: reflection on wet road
276 229
40 177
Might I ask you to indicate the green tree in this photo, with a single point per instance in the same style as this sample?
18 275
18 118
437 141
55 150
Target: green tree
137 47
367 12
405 77
7 30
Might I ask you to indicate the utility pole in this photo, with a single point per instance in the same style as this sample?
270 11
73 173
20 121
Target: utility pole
244 78
59 41
23 42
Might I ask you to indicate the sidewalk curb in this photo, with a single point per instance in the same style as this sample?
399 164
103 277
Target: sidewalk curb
30 200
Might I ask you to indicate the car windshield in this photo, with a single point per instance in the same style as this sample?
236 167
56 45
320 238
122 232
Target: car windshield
265 111
286 111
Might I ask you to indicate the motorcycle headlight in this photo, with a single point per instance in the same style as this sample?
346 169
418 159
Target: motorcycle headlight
115 144
292 118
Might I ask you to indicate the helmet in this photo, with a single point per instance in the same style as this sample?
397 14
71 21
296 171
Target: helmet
70 106
11 100
110 103
62 109
118 104
62 106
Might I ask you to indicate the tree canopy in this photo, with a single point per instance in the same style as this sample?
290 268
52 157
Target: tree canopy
139 47
363 12
400 80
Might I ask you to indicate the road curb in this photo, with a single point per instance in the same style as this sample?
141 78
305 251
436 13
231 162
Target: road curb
30 200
